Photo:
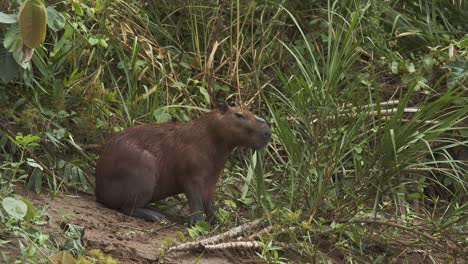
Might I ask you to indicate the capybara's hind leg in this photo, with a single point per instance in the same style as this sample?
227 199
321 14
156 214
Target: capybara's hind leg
144 213
154 208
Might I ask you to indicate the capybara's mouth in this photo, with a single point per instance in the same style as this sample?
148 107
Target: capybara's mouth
264 141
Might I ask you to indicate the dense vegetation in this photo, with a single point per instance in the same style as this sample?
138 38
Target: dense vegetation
366 99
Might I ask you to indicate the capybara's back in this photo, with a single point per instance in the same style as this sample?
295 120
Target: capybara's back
150 162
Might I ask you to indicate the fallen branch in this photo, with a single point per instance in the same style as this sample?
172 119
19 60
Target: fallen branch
236 244
212 240
232 232
226 245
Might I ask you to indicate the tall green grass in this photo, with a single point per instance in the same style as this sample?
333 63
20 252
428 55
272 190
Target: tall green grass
342 156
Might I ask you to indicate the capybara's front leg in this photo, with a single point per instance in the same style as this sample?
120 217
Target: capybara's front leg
208 202
195 201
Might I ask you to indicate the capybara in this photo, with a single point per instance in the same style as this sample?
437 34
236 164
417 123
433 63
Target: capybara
147 163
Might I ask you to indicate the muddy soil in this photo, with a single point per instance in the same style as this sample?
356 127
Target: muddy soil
126 238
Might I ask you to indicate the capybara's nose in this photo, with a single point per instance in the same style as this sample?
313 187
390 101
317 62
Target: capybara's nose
267 134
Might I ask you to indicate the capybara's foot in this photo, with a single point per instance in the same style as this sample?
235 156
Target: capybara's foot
195 217
144 213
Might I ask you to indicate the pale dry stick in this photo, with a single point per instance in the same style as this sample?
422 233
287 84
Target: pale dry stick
209 64
211 240
391 111
227 245
391 102
232 232
384 113
236 244
243 244
413 169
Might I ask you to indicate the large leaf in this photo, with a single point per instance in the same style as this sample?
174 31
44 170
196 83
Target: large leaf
14 44
32 21
14 207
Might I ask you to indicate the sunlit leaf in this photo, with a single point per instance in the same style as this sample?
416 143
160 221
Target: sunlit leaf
8 19
32 22
33 163
178 85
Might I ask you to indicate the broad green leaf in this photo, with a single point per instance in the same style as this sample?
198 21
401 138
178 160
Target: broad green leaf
205 94
32 22
161 115
13 43
8 19
55 20
16 208
93 41
103 43
181 236
413 196
76 6
30 211
178 85
221 87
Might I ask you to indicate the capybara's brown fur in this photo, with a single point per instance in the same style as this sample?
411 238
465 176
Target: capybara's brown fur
146 163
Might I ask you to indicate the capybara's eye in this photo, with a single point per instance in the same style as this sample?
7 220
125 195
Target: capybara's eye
239 115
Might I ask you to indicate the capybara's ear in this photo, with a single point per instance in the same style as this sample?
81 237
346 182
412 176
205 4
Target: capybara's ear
223 107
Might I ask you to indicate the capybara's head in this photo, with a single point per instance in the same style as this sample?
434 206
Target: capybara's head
242 128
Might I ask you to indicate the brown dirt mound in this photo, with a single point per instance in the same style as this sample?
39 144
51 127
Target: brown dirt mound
126 238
